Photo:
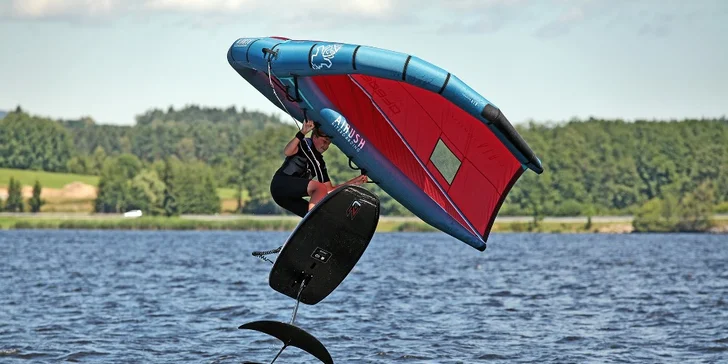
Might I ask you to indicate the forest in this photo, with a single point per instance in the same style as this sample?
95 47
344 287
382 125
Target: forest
171 161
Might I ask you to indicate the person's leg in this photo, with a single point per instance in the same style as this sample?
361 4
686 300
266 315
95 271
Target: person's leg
296 205
317 191
288 192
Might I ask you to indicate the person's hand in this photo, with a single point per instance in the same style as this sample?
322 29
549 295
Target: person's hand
307 126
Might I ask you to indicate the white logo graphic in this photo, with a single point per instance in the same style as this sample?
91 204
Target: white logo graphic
323 54
243 42
355 139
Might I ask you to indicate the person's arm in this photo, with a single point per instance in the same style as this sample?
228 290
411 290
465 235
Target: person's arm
292 146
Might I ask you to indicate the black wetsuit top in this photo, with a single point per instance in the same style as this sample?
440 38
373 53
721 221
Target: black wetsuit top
306 163
290 182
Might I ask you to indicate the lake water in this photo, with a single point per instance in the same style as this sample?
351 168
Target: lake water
174 297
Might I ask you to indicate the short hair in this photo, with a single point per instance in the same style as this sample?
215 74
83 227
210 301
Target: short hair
317 132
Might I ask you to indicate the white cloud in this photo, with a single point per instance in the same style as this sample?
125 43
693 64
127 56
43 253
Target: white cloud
572 13
80 9
547 18
360 7
469 5
205 6
371 8
41 9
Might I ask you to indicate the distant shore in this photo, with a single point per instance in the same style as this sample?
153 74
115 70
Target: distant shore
575 224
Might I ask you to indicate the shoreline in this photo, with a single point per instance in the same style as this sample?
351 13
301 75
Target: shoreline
519 224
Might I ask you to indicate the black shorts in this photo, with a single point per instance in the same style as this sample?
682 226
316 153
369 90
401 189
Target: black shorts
288 192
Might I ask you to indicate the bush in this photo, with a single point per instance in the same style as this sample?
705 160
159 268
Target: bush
721 208
655 215
568 208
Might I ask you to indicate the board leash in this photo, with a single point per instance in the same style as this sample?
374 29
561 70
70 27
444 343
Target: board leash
262 254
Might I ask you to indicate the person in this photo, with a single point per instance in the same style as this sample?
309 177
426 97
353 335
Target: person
303 172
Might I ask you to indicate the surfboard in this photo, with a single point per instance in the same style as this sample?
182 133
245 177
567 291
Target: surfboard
317 256
326 244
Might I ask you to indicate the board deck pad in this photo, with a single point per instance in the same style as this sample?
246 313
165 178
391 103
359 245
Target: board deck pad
326 244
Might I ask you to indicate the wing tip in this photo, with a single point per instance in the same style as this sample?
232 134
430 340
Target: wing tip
496 117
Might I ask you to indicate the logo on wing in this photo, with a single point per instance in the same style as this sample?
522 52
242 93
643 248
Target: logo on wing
244 42
353 209
355 139
323 54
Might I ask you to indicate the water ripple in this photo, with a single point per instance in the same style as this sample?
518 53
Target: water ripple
112 296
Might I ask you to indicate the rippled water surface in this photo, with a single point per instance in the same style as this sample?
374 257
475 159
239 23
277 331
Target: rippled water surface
110 296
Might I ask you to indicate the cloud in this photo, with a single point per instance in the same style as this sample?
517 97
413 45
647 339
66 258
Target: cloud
554 18
470 5
544 18
50 9
366 8
659 19
199 6
81 10
484 15
570 14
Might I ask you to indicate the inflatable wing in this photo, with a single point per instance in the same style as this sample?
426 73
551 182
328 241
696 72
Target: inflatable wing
431 142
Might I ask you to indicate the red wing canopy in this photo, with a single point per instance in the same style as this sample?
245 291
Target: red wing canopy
449 154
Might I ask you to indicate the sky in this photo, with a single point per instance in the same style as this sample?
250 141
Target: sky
537 60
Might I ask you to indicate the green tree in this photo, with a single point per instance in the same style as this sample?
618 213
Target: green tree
195 189
186 149
146 193
264 151
34 143
79 165
696 208
237 176
657 215
114 189
169 202
128 165
569 207
35 202
15 197
97 159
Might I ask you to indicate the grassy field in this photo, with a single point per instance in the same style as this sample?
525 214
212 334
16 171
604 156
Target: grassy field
67 192
47 179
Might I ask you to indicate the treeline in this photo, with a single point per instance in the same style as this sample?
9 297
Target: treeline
236 149
602 167
592 167
208 135
168 187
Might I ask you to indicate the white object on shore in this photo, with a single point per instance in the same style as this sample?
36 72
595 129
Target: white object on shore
133 213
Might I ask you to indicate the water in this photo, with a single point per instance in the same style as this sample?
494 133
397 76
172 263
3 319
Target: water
173 297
